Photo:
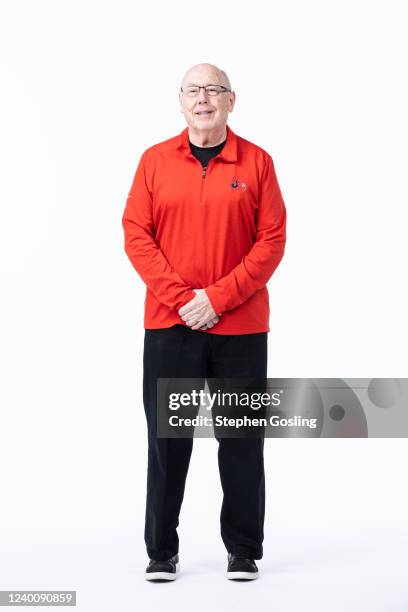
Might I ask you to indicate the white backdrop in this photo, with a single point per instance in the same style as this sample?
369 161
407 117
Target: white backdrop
86 87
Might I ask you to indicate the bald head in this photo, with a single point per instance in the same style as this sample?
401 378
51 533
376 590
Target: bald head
206 113
209 72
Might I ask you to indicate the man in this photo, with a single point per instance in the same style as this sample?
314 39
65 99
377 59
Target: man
205 228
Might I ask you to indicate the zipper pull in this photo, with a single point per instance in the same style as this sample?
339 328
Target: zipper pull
204 171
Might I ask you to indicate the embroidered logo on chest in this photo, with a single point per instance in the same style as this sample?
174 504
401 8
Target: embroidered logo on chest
237 184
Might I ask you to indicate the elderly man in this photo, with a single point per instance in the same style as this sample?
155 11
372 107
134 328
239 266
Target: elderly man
205 228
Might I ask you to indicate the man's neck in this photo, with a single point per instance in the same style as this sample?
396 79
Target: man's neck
207 138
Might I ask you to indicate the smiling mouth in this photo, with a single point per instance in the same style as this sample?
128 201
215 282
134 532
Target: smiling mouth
201 113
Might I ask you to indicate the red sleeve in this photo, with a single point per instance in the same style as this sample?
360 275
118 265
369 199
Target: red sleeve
142 249
256 268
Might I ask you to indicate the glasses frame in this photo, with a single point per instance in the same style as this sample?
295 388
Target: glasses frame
225 89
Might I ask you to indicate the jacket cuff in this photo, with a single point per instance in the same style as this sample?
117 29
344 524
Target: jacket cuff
216 301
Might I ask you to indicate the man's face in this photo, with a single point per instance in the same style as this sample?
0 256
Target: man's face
205 112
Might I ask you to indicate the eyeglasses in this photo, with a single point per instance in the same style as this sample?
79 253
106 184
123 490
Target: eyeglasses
211 90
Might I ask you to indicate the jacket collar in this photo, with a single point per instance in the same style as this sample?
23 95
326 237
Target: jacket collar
228 152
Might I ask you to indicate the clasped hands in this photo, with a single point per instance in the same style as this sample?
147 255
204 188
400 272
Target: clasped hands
198 312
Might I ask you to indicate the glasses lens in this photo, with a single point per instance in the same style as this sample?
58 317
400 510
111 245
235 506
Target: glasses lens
213 90
192 91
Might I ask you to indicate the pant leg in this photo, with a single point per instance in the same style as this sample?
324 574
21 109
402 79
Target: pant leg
176 352
241 460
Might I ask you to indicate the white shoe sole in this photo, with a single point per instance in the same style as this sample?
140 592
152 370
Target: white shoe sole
162 575
242 575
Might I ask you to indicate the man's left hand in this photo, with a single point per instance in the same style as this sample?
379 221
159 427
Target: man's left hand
198 311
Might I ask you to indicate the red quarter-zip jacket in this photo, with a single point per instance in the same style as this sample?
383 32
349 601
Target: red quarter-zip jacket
222 228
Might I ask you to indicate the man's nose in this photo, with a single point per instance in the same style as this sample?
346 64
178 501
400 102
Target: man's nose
202 95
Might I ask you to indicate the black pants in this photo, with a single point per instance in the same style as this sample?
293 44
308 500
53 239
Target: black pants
181 352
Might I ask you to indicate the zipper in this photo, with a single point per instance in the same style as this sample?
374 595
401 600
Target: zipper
203 175
202 184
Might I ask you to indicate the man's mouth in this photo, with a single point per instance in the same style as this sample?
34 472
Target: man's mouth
204 113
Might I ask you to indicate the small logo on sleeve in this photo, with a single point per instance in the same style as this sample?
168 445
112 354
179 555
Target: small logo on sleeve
237 184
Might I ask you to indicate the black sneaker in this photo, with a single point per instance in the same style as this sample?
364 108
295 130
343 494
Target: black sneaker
162 570
241 568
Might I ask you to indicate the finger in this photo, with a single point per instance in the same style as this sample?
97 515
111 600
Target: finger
186 313
198 325
194 312
196 317
187 307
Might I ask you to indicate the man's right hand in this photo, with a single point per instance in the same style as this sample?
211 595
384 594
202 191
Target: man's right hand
210 323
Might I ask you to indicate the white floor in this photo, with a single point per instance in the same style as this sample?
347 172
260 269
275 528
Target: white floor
345 566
